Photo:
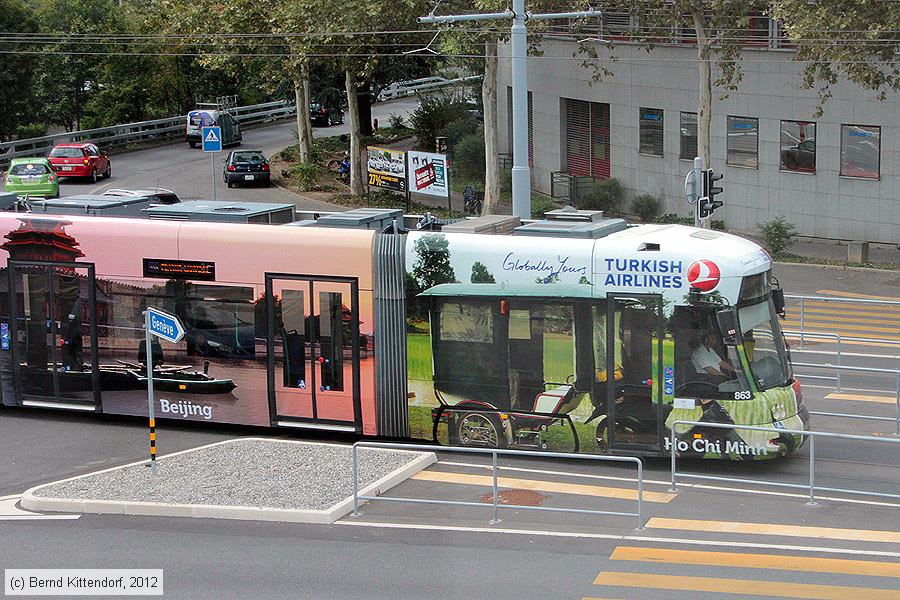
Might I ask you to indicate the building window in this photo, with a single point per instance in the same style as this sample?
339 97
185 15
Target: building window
743 142
651 131
587 138
798 146
860 151
688 149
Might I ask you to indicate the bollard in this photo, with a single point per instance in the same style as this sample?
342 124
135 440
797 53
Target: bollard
496 518
812 472
353 482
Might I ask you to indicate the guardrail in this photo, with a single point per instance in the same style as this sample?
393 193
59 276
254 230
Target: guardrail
812 435
839 344
142 131
400 92
494 452
804 299
838 369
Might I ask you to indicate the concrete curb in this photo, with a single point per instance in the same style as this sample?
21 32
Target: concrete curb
32 502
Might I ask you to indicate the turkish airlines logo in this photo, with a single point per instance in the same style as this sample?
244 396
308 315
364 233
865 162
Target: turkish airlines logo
704 275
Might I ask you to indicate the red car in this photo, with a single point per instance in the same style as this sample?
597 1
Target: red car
80 159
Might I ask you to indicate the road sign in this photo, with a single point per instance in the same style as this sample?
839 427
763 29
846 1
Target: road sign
212 138
164 326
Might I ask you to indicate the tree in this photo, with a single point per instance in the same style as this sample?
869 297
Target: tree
480 274
16 72
432 266
856 39
717 26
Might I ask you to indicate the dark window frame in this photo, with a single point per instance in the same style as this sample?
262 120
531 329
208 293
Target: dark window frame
649 130
841 171
682 138
728 149
781 148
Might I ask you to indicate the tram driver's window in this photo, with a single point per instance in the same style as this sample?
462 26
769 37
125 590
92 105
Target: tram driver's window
220 321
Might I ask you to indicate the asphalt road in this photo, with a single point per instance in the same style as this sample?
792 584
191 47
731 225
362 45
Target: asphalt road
189 172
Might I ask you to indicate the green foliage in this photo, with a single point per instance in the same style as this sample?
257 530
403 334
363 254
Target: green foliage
540 205
480 274
379 198
645 206
433 115
432 265
306 175
603 195
777 235
16 71
717 224
30 130
396 121
672 218
462 127
468 157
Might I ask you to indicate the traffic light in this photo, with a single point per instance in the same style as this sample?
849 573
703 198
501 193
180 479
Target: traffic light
707 203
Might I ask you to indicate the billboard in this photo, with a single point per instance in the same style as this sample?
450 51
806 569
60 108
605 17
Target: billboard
429 174
387 168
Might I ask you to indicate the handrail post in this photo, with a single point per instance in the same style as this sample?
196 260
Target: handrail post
838 370
673 488
640 512
897 430
812 471
496 519
802 327
353 481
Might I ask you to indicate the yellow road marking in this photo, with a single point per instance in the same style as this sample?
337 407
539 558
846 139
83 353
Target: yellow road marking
832 310
861 398
542 486
744 586
846 316
855 295
812 341
887 333
833 533
758 561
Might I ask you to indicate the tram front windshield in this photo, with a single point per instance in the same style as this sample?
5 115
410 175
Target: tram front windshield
764 345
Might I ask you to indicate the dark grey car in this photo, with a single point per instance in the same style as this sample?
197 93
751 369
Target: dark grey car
246 167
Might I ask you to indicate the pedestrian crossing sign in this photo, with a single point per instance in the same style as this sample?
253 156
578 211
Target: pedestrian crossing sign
212 139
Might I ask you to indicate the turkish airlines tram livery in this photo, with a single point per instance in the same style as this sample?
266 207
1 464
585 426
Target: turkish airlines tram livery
595 342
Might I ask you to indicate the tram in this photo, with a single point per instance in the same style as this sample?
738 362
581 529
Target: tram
575 333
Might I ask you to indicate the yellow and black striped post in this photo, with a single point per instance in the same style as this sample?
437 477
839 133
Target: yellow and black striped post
153 445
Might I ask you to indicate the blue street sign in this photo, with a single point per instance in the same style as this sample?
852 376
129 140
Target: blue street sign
164 325
212 138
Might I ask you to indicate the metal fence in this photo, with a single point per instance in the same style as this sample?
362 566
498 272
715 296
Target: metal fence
803 334
812 435
135 133
840 368
494 452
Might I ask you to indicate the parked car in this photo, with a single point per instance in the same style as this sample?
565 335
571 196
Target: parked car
31 176
197 119
322 114
246 166
156 195
80 159
801 157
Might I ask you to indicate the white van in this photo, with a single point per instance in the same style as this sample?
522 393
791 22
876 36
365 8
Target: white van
206 117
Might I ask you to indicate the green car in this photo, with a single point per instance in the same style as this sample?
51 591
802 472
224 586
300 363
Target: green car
31 176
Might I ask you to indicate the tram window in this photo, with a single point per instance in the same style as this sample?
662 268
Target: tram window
220 321
331 340
600 351
292 330
519 324
466 323
559 343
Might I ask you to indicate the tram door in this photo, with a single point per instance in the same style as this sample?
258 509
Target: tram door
313 352
54 334
634 404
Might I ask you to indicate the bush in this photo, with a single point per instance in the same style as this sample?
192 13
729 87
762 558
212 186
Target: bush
386 199
464 126
540 205
777 236
468 157
289 154
717 224
433 115
31 130
645 206
306 175
604 195
672 218
396 121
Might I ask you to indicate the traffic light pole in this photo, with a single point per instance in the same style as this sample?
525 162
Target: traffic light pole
698 178
521 172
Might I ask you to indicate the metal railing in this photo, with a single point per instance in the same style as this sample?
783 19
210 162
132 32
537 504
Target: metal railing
863 301
838 369
140 132
812 435
494 452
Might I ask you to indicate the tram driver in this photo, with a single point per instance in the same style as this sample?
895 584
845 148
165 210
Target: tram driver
707 361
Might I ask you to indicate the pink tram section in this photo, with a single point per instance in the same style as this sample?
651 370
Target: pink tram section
279 321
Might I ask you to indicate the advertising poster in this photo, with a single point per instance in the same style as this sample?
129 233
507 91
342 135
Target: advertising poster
387 168
428 174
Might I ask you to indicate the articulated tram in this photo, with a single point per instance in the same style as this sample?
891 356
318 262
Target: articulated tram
576 333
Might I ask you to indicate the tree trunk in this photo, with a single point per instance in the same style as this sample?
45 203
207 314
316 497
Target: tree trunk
491 157
303 138
357 177
307 124
704 110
